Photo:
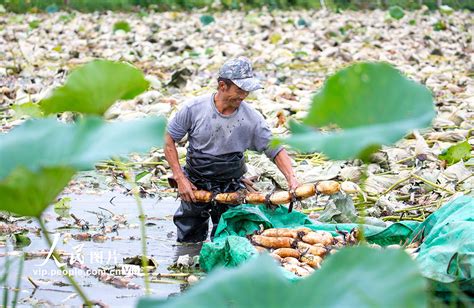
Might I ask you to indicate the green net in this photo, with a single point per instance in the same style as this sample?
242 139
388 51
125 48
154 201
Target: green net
445 255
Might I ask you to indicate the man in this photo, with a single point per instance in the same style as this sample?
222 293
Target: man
220 127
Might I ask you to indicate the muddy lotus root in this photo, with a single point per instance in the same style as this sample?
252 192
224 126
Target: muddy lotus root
281 197
300 250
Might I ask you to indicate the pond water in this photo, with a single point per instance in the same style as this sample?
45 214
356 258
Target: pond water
161 239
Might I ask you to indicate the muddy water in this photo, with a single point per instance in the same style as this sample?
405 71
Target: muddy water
162 246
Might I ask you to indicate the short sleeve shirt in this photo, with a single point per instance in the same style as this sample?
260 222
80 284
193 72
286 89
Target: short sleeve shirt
213 133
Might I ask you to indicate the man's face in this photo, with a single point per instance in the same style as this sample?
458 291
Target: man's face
233 95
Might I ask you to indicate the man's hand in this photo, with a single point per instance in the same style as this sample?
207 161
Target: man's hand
185 189
249 184
283 162
293 183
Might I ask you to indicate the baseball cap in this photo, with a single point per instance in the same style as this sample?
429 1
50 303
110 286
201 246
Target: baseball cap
239 71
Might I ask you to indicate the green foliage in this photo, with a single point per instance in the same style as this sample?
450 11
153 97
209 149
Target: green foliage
446 10
122 25
58 48
67 17
21 239
194 54
94 87
275 38
62 207
46 142
53 8
64 203
206 19
6 271
22 6
456 153
34 24
28 193
300 54
396 12
440 25
369 104
350 278
4 279
40 157
27 110
406 4
233 4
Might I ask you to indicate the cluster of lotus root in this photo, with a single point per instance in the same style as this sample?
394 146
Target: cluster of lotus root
300 250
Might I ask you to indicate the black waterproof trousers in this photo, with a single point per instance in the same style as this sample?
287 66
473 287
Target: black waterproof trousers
217 174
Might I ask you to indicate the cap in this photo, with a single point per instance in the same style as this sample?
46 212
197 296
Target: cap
239 71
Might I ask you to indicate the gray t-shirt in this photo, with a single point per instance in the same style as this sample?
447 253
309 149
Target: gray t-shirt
213 133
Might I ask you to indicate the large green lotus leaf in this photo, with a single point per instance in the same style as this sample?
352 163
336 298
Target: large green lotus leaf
28 193
369 104
94 87
354 277
40 143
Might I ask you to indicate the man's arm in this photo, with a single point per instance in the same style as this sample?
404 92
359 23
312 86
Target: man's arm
185 187
283 162
261 140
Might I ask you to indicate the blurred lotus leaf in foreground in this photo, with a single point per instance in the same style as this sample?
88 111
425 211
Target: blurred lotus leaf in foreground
363 106
350 278
41 156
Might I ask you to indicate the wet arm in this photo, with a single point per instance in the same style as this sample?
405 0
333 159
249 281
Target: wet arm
171 155
185 187
283 162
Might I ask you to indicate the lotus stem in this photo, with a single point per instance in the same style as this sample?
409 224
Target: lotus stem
4 278
313 209
465 179
141 217
407 209
405 159
35 285
172 275
143 239
18 280
71 280
398 218
363 204
373 199
362 209
133 163
393 186
432 184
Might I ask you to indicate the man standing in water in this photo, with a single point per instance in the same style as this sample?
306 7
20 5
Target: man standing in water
220 127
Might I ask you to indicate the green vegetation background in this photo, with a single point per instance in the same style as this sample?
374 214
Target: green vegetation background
22 6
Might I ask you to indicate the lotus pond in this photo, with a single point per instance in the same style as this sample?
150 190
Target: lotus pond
96 210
